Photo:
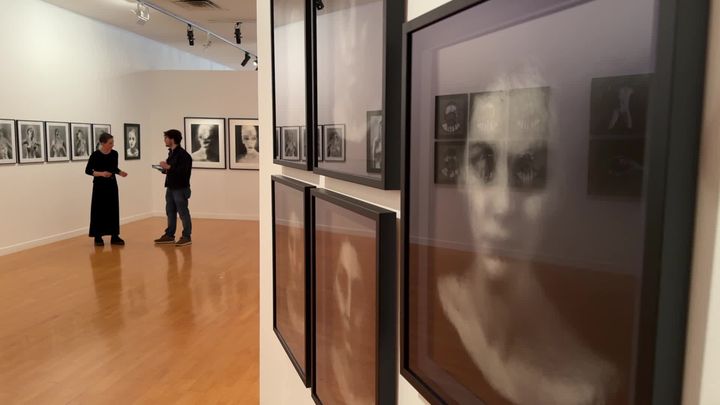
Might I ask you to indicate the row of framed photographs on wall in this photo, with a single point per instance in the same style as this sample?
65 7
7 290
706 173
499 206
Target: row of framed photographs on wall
206 141
292 141
334 261
26 142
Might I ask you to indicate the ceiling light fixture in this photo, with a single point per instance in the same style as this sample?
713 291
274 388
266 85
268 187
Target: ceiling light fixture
255 62
238 34
142 12
190 35
245 60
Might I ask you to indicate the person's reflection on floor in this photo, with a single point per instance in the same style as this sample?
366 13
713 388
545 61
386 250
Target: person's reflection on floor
106 264
179 310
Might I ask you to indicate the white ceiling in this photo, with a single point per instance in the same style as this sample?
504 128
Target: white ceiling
172 32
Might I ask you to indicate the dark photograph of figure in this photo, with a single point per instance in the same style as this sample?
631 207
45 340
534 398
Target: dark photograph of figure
246 143
451 116
303 144
488 114
449 159
618 105
205 142
58 141
319 143
527 165
334 143
97 130
615 167
290 148
482 160
80 139
529 112
7 142
132 141
374 141
32 148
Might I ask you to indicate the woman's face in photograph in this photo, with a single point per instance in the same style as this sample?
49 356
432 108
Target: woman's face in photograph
249 136
132 139
30 133
204 136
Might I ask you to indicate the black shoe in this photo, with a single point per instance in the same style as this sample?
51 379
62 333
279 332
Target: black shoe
115 240
99 242
183 242
164 240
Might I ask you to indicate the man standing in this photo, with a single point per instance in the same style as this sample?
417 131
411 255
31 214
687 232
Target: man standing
177 169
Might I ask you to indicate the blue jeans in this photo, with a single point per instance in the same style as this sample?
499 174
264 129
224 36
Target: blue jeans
176 203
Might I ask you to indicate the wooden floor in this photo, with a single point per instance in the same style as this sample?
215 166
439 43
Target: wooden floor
139 324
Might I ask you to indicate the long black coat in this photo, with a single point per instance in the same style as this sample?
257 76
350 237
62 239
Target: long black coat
105 207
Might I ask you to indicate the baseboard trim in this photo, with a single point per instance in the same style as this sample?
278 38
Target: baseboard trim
6 250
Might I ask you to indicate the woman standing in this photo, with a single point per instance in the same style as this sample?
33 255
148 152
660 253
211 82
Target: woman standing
105 208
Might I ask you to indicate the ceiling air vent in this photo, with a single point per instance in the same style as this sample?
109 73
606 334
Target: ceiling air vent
196 4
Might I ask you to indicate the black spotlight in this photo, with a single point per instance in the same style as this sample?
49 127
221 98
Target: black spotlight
255 62
191 35
246 59
238 34
319 4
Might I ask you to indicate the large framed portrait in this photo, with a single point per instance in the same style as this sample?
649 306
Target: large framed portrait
133 142
374 141
205 141
354 301
292 277
31 141
290 143
334 143
81 140
97 130
8 146
58 141
519 285
244 143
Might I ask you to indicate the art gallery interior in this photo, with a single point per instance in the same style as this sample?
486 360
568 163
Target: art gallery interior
455 202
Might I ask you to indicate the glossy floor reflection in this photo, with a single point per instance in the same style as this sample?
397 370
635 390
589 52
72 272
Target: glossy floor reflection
138 324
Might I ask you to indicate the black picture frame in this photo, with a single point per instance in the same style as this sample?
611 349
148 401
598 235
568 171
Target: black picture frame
8 142
334 143
290 144
132 153
55 154
385 245
97 130
192 146
81 140
670 181
389 179
240 157
304 42
305 373
39 135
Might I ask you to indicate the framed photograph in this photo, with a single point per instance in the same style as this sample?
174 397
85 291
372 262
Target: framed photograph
374 141
618 105
132 141
244 143
334 143
292 271
303 143
276 143
81 139
449 161
205 141
319 143
451 116
290 143
354 357
8 145
31 141
550 269
99 129
58 141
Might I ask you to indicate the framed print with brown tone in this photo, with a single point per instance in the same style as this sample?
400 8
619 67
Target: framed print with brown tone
31 141
58 141
8 142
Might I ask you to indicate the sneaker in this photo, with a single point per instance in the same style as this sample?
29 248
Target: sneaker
99 242
164 240
115 240
183 242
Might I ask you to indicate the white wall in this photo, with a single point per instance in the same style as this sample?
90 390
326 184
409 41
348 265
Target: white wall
60 66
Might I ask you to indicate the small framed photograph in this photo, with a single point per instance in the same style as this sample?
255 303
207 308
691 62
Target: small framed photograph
619 105
616 167
451 116
481 163
527 165
276 144
97 130
81 139
58 141
290 143
449 158
334 143
205 141
530 113
244 143
8 145
31 141
319 143
132 141
374 141
303 144
488 115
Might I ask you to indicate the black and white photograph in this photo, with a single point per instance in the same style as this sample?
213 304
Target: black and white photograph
615 167
7 142
290 145
58 141
205 141
529 112
276 143
81 140
132 141
527 165
451 116
449 157
31 141
99 129
244 144
374 141
482 162
319 143
334 143
303 143
488 115
618 105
